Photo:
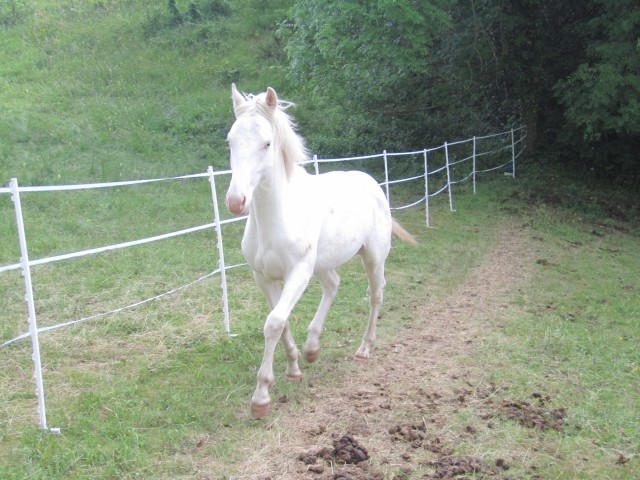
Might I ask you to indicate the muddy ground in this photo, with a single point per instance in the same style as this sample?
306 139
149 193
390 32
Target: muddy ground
393 417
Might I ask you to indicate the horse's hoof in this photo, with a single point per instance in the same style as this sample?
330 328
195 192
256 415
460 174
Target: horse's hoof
293 378
360 358
259 411
311 356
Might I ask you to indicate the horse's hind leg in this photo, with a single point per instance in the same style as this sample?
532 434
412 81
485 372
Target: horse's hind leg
293 372
329 282
375 273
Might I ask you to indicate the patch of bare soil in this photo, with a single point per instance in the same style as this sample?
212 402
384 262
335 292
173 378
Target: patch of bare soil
392 417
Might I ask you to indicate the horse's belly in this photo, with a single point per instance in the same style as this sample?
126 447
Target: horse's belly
338 246
356 215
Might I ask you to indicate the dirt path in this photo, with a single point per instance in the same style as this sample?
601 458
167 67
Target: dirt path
398 408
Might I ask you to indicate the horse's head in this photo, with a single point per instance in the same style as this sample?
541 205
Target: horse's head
251 140
262 141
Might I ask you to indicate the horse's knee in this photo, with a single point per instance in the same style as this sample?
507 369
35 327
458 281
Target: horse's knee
376 295
274 326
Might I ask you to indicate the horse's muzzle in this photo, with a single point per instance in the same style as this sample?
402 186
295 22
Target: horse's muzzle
236 202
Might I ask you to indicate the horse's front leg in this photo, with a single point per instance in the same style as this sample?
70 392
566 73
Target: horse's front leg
274 328
272 290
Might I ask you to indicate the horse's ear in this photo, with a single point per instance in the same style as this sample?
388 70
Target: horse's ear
272 98
238 99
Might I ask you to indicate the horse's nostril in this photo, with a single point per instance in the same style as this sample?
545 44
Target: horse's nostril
236 202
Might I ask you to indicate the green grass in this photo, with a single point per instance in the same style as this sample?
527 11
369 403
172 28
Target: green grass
106 90
578 341
134 391
151 392
571 334
90 91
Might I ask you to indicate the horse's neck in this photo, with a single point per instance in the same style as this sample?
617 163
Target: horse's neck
276 198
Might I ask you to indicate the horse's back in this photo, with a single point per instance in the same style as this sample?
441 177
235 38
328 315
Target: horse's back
355 215
354 192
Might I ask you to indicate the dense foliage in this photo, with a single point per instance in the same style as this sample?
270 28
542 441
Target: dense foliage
602 95
365 63
404 72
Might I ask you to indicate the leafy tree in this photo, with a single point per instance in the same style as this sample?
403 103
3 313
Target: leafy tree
504 58
602 95
366 62
569 70
396 74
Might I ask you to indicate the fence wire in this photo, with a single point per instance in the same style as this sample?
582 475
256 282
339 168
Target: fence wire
445 154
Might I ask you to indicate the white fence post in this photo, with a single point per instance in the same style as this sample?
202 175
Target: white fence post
426 186
33 324
221 263
386 176
474 164
315 164
446 156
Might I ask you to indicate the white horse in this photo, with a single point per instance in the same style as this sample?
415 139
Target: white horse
300 225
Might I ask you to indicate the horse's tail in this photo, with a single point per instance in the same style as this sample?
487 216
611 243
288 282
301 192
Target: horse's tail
399 231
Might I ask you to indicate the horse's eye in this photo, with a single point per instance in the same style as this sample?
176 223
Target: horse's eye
267 145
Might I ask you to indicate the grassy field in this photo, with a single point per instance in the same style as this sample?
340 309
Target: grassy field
108 90
105 90
574 336
134 392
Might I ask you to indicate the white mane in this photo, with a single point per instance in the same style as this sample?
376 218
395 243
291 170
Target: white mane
292 146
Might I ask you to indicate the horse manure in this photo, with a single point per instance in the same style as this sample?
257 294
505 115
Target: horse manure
342 475
346 450
533 416
349 450
455 465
